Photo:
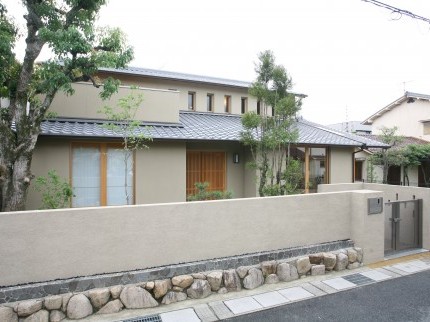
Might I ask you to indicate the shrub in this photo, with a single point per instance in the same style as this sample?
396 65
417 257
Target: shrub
203 194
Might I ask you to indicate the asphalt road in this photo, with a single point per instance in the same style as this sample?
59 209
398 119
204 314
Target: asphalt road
401 299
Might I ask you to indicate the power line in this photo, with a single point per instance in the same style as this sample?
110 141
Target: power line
402 12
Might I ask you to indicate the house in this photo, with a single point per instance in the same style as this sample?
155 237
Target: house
195 124
352 127
410 114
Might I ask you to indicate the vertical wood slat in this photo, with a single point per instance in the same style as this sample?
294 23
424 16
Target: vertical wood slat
193 170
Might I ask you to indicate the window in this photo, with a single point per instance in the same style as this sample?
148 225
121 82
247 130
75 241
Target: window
244 105
258 107
210 102
206 167
102 175
191 101
227 103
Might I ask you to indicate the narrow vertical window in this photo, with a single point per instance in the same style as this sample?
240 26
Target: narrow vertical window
191 101
258 107
244 105
227 103
210 102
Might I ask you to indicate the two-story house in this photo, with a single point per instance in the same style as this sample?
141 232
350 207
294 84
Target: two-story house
195 124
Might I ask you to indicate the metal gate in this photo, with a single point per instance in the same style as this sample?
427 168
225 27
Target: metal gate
403 222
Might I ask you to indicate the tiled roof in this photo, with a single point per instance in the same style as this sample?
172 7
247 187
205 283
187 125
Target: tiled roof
405 140
202 126
139 71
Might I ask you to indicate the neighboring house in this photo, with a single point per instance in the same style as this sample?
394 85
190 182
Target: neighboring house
410 114
195 123
352 127
396 175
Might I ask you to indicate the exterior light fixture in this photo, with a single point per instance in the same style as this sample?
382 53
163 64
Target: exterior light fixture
235 157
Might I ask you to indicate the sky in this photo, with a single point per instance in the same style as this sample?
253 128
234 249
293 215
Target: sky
350 57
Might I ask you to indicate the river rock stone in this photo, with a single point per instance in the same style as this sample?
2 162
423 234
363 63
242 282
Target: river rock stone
7 314
222 290
272 279
199 289
115 291
352 255
231 280
215 280
173 297
66 299
199 276
294 275
268 268
53 302
79 307
99 297
161 287
29 307
39 316
242 271
177 289
303 265
316 258
182 280
134 297
359 254
283 272
253 279
56 316
150 286
329 261
341 262
353 265
317 270
111 307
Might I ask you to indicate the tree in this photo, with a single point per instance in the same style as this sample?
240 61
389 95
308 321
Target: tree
123 122
419 155
387 158
56 191
78 49
270 136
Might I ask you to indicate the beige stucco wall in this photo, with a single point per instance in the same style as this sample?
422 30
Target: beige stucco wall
158 105
406 117
341 164
389 194
47 245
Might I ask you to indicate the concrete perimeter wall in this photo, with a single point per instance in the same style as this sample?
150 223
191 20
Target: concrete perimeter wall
392 193
57 244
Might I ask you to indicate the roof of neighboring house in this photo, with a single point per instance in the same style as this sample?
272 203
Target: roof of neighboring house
409 97
351 127
405 140
183 77
203 126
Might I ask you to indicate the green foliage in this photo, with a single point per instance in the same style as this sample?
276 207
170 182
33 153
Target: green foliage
419 155
56 192
203 194
270 136
370 171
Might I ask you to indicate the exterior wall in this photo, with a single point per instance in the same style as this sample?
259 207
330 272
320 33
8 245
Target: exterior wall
201 90
87 241
406 117
235 172
157 106
159 172
391 192
341 165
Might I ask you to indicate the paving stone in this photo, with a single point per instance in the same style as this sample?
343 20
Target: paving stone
386 272
397 271
270 299
324 287
295 293
339 283
408 267
205 314
375 275
186 315
243 305
311 288
221 310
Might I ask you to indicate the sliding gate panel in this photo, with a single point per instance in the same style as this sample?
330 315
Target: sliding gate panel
403 225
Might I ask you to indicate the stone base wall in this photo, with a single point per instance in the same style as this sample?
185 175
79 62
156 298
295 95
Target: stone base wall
180 287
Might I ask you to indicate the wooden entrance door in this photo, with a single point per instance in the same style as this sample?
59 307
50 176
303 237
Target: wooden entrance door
205 166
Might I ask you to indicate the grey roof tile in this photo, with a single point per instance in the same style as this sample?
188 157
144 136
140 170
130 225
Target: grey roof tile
204 126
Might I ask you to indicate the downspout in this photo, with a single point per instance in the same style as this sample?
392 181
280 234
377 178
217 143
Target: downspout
362 148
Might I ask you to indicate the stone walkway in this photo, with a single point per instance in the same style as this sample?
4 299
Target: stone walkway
219 307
